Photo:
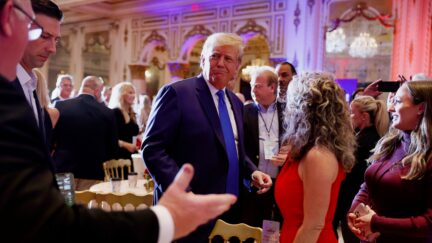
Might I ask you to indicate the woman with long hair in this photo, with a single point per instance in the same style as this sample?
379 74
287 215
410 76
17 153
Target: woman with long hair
397 190
122 100
370 121
321 149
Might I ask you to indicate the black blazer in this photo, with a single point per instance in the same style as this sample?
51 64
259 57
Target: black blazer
251 131
366 141
85 136
31 206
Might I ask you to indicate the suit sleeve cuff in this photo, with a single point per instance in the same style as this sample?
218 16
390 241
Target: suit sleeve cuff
166 224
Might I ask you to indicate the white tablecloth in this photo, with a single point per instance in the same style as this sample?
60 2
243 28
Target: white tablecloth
105 187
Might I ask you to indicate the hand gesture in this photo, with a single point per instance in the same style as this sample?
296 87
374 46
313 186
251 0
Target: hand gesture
372 89
262 181
280 158
189 210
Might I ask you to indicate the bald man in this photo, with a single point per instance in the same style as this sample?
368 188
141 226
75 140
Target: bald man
86 133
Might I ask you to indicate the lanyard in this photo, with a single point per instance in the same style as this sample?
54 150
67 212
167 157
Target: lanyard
271 122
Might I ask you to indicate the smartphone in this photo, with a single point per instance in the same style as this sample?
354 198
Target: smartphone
361 210
388 86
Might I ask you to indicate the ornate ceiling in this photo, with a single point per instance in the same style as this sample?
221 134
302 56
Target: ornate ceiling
87 10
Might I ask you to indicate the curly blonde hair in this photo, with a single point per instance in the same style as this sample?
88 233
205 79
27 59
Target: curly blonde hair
419 152
316 114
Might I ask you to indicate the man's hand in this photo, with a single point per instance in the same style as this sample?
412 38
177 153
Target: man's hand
261 181
189 210
280 158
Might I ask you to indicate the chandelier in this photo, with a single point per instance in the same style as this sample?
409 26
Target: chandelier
363 46
335 41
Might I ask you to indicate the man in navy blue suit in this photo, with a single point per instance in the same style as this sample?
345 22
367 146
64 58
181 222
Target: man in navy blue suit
188 124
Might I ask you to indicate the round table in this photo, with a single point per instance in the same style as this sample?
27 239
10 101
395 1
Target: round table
105 187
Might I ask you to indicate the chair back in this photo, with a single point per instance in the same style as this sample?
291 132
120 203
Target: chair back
241 231
113 202
123 202
115 168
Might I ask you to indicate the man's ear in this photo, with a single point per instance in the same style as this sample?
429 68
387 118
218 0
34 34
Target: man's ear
5 19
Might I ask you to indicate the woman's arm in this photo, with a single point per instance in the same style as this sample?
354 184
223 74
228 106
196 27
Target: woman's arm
318 170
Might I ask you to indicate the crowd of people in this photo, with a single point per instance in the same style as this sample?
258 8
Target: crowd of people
298 156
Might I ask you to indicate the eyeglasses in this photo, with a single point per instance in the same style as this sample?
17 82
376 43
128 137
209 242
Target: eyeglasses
34 32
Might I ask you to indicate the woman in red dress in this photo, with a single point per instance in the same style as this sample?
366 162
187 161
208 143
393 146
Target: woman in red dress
321 149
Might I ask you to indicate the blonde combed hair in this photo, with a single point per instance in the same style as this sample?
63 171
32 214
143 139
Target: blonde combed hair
117 100
377 111
317 115
419 152
41 89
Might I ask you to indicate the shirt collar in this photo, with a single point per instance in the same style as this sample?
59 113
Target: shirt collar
271 107
25 78
213 89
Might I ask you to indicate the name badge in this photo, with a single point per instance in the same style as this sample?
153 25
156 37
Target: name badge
270 149
270 231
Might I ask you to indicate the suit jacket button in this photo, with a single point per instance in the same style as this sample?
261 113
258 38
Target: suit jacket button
257 156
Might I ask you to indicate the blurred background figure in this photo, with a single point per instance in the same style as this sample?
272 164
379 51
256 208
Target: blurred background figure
64 88
145 112
419 77
322 144
285 72
106 94
51 114
370 121
397 188
122 101
86 133
357 92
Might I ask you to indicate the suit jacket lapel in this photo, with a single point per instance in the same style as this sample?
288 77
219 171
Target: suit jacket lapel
253 121
207 103
280 113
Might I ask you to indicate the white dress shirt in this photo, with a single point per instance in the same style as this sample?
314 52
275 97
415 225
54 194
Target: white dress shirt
268 127
166 224
28 84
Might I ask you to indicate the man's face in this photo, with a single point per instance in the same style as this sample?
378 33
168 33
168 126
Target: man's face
66 88
263 93
285 75
38 51
21 26
220 65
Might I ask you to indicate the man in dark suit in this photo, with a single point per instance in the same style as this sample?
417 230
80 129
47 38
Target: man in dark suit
31 206
263 129
37 52
86 133
189 123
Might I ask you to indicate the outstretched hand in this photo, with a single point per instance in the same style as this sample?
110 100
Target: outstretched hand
189 210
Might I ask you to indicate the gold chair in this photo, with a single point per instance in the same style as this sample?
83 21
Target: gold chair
125 202
114 168
241 231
